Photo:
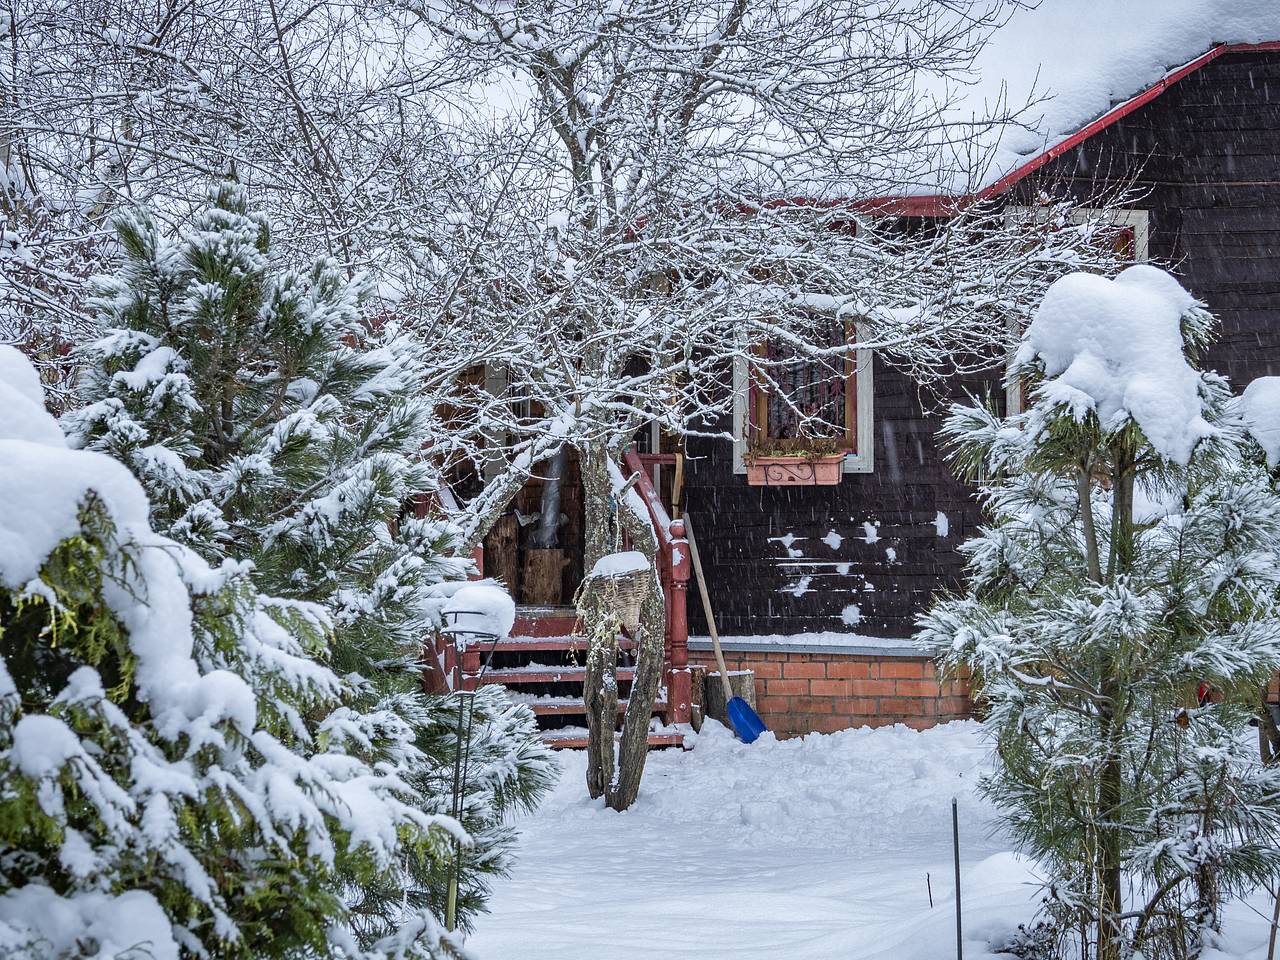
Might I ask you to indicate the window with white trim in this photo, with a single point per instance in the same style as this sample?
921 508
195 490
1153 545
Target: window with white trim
802 402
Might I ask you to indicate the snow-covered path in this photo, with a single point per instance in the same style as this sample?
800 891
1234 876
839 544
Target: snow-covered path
811 849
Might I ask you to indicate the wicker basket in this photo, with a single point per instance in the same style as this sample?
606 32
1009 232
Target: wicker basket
623 594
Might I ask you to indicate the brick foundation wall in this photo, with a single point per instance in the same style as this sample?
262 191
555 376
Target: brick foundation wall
798 693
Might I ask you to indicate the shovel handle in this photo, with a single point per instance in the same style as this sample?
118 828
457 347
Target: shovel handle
706 609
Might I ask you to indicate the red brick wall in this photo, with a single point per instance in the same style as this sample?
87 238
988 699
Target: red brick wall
799 693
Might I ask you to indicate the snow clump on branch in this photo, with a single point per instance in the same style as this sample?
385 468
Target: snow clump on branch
1115 348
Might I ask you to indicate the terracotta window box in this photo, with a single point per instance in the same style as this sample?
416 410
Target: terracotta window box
781 471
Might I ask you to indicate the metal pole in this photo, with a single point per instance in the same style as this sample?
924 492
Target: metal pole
955 845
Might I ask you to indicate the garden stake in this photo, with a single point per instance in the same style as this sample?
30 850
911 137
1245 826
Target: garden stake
1275 921
460 759
955 845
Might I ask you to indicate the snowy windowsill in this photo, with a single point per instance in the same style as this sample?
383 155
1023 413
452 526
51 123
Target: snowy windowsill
852 644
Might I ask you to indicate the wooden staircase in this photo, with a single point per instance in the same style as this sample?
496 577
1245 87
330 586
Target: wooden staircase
542 665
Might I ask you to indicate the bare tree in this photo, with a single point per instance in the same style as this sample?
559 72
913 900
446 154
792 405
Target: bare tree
328 112
690 187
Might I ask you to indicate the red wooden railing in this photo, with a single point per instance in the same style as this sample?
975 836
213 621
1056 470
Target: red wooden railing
674 570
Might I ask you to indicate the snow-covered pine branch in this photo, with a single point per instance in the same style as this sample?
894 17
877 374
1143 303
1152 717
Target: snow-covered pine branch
166 788
1122 616
274 424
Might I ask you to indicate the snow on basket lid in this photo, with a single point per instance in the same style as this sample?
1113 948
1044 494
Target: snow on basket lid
481 608
1115 347
620 564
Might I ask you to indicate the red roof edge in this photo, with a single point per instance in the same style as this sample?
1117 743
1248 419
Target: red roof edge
945 206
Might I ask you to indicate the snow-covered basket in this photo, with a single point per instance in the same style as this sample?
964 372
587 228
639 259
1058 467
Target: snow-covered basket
621 581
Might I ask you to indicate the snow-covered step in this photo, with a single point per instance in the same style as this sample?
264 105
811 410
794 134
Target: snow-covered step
545 621
532 644
547 673
575 738
553 638
559 706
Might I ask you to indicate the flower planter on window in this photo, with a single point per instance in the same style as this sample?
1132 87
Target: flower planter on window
795 471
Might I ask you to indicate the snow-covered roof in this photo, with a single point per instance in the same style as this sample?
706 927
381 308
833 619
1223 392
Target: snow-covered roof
1077 59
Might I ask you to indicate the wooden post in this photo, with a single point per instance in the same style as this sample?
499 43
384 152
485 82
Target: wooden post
679 684
542 581
697 696
470 666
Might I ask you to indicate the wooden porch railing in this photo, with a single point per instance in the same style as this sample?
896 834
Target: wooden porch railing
674 570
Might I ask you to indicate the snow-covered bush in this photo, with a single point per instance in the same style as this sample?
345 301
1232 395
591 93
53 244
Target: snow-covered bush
1121 614
180 773
273 423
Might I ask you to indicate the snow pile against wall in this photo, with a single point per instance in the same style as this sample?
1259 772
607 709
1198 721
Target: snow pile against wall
1115 348
1115 51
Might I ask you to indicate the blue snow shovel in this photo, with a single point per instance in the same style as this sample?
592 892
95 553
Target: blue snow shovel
746 722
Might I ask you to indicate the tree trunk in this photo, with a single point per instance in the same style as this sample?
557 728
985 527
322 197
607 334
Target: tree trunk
1111 839
634 748
602 513
1110 842
1084 489
599 695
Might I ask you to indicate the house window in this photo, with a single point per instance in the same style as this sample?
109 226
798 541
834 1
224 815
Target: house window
1125 231
809 402
805 404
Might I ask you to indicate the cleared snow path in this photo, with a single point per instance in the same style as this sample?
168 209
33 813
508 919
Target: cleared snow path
811 849
805 849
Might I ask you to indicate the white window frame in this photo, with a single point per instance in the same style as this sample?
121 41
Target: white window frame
1139 221
863 461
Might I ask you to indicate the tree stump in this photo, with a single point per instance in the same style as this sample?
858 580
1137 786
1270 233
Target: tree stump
502 553
741 682
541 583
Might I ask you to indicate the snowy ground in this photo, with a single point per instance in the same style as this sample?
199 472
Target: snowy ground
806 849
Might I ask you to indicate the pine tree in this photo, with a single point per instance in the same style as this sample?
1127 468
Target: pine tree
273 423
1120 614
164 791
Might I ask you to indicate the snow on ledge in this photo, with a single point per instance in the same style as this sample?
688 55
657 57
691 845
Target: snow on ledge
849 644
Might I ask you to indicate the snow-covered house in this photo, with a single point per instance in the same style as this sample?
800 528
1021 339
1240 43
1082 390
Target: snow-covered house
817 584
1139 94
